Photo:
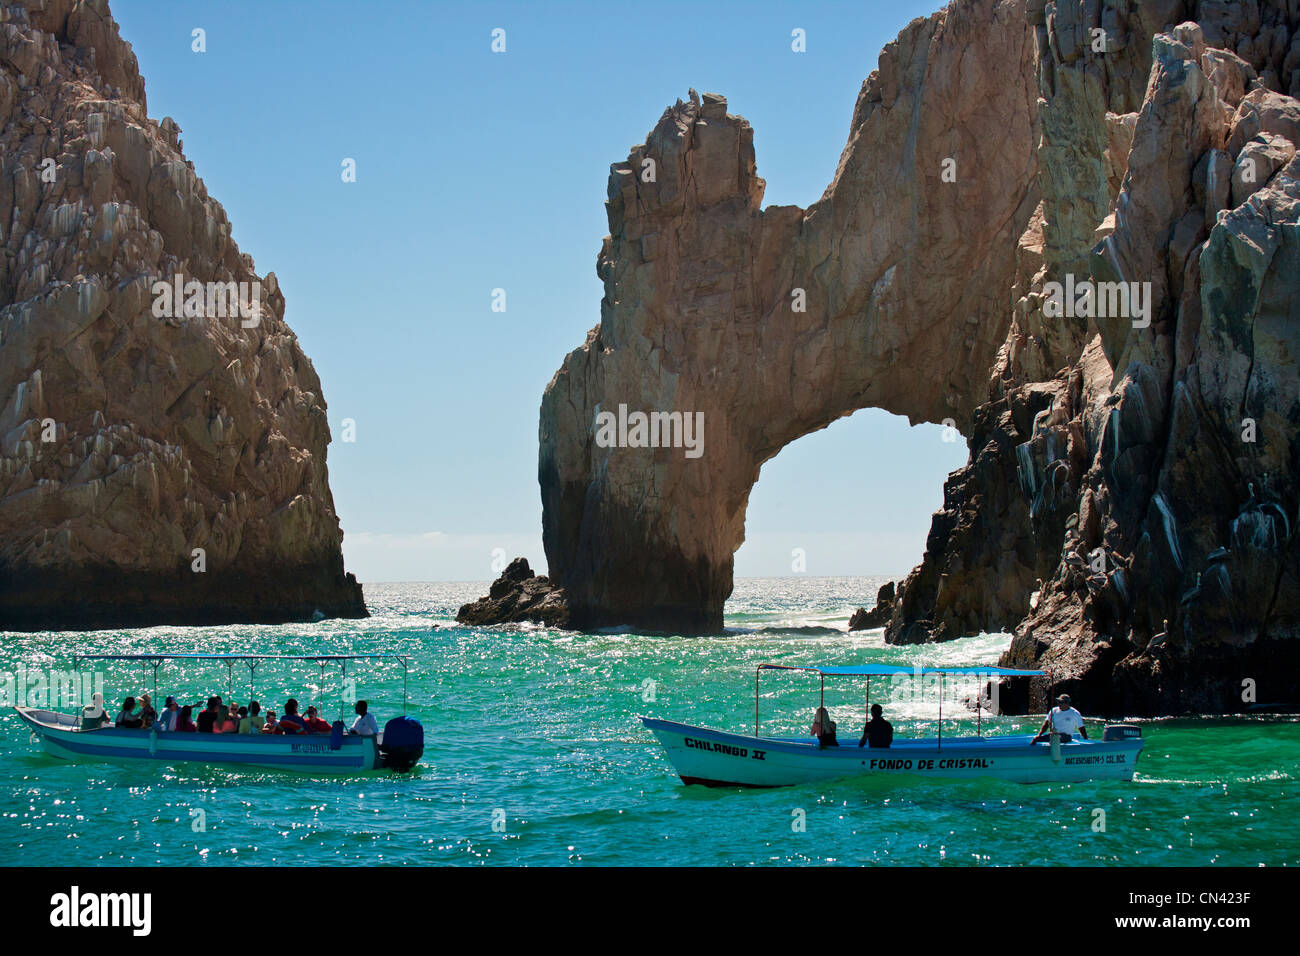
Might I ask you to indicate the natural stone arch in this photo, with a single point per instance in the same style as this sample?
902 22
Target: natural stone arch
905 279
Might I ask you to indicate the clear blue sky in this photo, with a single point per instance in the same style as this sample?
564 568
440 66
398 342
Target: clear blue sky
478 170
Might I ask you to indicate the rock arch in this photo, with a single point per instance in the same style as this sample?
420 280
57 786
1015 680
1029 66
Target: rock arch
905 279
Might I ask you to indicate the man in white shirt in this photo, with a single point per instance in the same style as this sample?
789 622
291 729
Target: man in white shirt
364 725
1065 720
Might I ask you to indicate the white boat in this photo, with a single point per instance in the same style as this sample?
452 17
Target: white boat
399 746
717 758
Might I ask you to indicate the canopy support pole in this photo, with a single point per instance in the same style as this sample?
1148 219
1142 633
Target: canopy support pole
979 710
756 673
940 741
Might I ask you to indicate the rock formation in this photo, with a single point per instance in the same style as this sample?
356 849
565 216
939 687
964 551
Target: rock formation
879 614
154 468
767 324
1135 447
517 596
1158 493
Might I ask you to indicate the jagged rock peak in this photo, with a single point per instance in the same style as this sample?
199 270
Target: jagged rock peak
162 435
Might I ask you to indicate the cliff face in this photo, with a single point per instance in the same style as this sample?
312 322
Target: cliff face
1158 488
1130 503
762 324
137 429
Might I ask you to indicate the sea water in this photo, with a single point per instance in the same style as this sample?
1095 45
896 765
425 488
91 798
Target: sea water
534 756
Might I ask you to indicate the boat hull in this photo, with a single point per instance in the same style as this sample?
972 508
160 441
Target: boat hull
61 736
719 759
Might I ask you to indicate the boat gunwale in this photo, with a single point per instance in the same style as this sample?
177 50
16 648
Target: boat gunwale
901 745
202 739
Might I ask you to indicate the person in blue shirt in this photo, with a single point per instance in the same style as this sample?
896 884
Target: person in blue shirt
167 719
291 722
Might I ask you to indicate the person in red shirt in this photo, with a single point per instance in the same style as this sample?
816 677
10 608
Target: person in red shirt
184 722
314 723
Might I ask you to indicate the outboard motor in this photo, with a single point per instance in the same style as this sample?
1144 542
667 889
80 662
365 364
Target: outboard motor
403 743
1121 732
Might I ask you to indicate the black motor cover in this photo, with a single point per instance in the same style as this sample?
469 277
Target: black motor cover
403 743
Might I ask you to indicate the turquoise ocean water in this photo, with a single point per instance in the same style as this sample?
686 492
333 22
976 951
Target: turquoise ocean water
534 756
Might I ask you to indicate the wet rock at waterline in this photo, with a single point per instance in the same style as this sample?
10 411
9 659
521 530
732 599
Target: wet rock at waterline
154 468
878 616
1130 502
518 596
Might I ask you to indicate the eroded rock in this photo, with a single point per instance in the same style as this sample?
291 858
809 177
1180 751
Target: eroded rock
771 323
153 469
1134 472
518 596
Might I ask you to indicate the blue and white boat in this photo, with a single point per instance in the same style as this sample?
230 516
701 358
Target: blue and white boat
398 746
717 758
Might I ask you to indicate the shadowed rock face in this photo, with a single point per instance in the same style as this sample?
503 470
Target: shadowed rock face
129 440
1159 505
890 291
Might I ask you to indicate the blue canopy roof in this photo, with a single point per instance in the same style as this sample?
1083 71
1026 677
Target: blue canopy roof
235 657
899 670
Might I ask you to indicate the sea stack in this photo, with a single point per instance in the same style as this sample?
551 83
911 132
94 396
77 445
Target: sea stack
1003 154
162 456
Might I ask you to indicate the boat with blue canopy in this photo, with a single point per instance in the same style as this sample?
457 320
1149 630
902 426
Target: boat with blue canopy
398 746
717 758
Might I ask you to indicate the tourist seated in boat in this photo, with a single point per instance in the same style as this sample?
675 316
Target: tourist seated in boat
208 716
251 720
364 725
292 722
1065 720
823 729
877 732
145 709
314 723
272 726
93 715
185 721
167 719
227 721
128 718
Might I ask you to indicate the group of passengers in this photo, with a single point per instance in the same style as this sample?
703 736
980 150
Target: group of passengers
1063 720
217 717
876 732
